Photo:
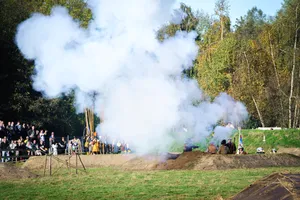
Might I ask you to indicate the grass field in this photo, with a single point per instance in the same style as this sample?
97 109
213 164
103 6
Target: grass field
252 139
105 183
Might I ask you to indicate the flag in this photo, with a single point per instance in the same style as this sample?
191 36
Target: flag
241 140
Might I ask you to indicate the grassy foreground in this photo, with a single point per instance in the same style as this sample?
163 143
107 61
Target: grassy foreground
107 183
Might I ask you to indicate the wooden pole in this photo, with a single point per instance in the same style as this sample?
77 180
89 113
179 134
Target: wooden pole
81 162
91 114
86 121
237 152
45 165
76 163
50 167
69 164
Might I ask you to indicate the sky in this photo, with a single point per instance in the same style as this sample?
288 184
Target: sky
237 8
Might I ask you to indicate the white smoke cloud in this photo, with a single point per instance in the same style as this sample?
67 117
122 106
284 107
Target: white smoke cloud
221 133
137 78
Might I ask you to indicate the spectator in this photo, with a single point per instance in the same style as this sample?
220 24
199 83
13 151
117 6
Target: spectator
62 145
223 149
69 147
18 147
231 146
18 128
35 147
37 134
42 148
31 133
26 140
86 144
42 136
2 130
54 149
212 148
241 150
8 131
29 148
96 146
79 147
24 130
4 148
75 145
127 149
12 131
52 138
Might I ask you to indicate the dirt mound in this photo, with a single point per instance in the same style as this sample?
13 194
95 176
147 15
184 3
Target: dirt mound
109 160
203 161
275 186
9 171
294 151
188 160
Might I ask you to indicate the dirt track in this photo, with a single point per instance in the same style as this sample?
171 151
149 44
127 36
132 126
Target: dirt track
189 160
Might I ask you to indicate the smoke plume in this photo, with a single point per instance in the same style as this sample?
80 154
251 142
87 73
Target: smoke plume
137 79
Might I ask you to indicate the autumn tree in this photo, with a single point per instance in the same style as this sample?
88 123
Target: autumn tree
222 11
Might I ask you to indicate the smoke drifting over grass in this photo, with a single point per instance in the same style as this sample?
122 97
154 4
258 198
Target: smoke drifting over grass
137 79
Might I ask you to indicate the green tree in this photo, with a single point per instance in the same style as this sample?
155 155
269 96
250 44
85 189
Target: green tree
19 101
222 11
189 23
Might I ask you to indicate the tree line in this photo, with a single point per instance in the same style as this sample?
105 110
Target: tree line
18 100
256 61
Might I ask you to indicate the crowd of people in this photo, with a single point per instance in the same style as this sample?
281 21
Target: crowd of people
19 141
228 147
104 145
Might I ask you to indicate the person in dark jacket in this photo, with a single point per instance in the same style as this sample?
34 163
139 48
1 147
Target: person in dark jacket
2 130
223 148
24 131
62 146
4 150
188 145
31 133
231 146
17 130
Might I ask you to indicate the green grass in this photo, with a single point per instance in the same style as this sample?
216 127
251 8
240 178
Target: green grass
106 183
253 139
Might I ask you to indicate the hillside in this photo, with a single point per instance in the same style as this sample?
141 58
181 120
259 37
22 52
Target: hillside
252 139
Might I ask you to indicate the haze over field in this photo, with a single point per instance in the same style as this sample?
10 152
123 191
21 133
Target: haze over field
137 80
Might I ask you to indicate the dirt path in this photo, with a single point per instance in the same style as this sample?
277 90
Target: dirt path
188 160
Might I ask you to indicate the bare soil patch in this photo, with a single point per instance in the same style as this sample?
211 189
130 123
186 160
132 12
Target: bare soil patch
275 186
203 161
90 161
9 172
294 151
188 161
